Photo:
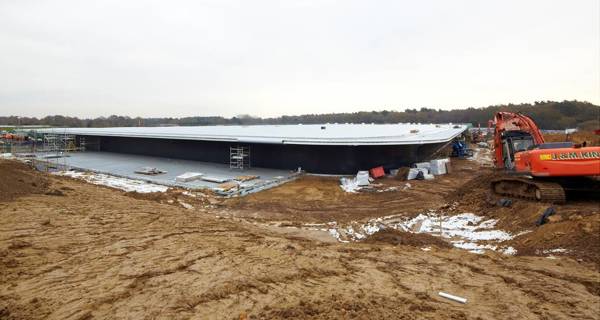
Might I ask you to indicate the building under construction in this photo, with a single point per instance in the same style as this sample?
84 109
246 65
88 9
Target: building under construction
327 148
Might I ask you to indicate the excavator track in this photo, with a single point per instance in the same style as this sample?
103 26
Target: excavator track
529 189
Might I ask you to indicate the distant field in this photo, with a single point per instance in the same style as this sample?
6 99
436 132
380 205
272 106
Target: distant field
577 137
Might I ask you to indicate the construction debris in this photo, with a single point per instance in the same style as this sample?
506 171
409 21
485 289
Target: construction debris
412 173
505 202
362 178
360 181
151 171
438 166
544 217
226 186
245 178
188 176
448 167
194 238
215 179
349 184
419 174
423 165
377 172
402 173
452 297
426 170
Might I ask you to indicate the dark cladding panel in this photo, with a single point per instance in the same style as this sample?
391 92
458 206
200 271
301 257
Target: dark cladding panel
208 151
312 158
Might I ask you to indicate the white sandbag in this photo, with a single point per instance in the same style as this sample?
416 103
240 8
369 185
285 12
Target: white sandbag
426 165
413 172
362 178
438 166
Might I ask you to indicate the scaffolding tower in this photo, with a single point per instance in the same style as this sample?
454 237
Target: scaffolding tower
54 150
239 157
60 143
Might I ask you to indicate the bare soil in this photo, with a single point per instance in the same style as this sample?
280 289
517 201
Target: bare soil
17 179
97 253
588 137
318 199
575 227
314 199
397 237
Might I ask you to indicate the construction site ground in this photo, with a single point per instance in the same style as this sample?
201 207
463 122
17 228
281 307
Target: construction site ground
73 250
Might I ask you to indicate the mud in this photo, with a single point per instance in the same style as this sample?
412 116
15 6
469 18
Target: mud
316 199
18 179
397 237
575 227
97 253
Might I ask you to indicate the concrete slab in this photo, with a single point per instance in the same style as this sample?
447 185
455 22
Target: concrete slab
124 165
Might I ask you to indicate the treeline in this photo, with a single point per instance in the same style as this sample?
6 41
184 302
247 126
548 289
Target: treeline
547 114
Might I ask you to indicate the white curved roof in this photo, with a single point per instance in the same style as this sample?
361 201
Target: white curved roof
313 134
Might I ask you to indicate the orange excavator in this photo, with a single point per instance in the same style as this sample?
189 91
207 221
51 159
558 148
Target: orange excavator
538 170
12 136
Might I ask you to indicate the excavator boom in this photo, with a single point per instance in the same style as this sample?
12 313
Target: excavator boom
507 123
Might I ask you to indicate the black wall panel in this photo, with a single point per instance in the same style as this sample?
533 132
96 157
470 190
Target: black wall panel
312 158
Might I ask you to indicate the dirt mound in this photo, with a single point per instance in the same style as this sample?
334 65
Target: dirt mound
175 263
317 199
397 237
573 235
573 231
402 173
480 181
17 180
474 195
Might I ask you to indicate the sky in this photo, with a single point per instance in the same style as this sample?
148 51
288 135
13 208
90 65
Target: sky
274 57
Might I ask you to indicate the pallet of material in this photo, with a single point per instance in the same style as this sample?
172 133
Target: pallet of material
438 166
215 179
188 176
245 178
149 171
226 186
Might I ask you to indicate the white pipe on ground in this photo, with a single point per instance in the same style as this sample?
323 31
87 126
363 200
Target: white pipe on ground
453 297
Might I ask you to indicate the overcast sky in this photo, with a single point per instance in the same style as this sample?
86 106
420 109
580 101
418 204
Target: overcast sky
268 58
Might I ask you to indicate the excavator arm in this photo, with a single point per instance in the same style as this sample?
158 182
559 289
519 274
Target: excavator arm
516 124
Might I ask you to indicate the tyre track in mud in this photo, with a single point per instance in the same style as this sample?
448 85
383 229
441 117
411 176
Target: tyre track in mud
113 258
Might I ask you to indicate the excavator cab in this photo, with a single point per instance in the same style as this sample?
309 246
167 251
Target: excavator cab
543 170
513 142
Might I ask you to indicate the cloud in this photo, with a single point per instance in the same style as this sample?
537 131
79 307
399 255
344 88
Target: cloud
177 58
